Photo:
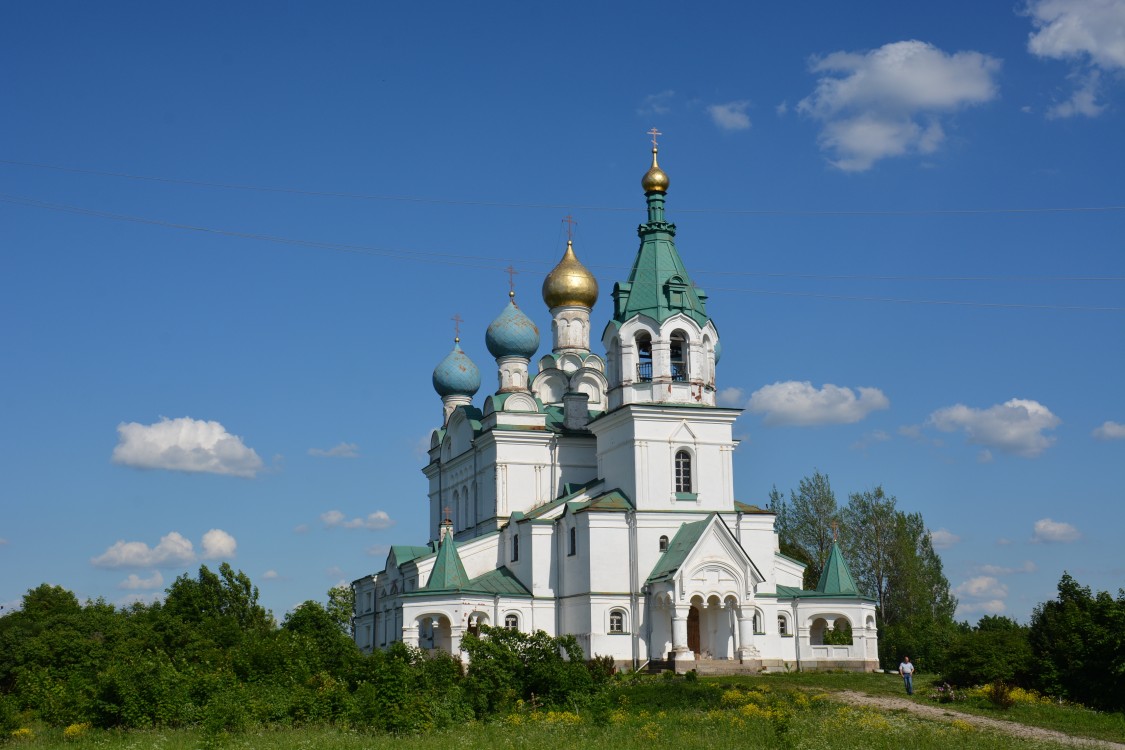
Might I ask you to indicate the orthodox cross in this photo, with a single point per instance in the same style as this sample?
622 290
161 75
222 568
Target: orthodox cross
457 321
835 530
448 510
654 132
570 222
512 273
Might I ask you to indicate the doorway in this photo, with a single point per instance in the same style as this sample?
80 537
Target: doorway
693 630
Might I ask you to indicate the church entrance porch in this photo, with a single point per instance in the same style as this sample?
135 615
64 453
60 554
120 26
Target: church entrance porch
693 630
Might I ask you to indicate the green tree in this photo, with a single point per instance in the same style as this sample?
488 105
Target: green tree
805 524
341 607
1078 641
871 522
996 649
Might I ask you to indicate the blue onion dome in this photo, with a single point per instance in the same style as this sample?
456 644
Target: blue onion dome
456 375
512 334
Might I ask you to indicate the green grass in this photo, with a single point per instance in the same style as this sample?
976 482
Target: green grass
791 711
1069 719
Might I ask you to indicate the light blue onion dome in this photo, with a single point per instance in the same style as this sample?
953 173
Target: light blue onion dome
456 375
512 334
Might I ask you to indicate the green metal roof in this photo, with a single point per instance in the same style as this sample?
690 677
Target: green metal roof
678 550
659 285
448 573
500 581
405 553
836 579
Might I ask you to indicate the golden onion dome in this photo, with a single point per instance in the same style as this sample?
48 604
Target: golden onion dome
655 179
570 283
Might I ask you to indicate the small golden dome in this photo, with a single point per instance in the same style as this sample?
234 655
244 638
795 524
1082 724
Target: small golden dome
655 179
570 283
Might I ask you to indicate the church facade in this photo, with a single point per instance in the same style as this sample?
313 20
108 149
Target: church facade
595 497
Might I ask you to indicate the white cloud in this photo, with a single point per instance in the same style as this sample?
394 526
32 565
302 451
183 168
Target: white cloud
218 545
657 104
869 439
301 528
799 403
270 575
985 457
734 397
343 450
135 582
730 116
1083 30
1110 431
1003 542
172 551
185 444
887 102
373 521
782 109
1000 570
1082 101
943 538
149 598
1048 531
982 587
989 607
1088 33
1016 426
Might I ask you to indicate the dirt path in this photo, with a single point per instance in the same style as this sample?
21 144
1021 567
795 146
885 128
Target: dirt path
943 713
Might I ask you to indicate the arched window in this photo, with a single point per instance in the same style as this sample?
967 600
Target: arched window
644 357
683 471
573 541
782 625
677 356
617 621
515 547
512 621
757 622
456 509
663 544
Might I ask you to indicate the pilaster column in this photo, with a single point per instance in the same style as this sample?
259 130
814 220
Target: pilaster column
746 647
679 633
410 636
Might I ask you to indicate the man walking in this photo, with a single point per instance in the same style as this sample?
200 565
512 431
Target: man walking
906 669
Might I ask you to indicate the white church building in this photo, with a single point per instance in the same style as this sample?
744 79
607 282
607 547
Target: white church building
595 497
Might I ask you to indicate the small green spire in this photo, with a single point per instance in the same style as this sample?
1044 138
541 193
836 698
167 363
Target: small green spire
449 572
836 579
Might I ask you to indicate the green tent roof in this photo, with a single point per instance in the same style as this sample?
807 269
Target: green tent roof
449 572
836 579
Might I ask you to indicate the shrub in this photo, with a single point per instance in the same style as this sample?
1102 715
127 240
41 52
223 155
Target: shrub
1000 695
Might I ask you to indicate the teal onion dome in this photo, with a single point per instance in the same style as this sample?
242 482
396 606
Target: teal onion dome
456 375
512 334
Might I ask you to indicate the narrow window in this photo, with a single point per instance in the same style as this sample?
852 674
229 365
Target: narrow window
515 547
782 627
677 355
573 541
617 621
512 622
683 471
644 358
663 544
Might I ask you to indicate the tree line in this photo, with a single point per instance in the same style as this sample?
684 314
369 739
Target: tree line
210 656
1073 647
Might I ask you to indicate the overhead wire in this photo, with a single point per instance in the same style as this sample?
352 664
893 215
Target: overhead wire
559 206
462 260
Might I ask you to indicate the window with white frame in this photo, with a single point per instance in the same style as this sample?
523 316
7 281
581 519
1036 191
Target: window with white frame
683 472
617 621
512 621
663 543
782 625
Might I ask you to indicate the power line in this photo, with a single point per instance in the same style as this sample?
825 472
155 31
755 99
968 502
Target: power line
462 260
560 206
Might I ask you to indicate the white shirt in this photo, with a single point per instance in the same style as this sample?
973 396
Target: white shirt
906 668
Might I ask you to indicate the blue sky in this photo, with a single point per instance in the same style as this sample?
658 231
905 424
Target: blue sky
233 239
